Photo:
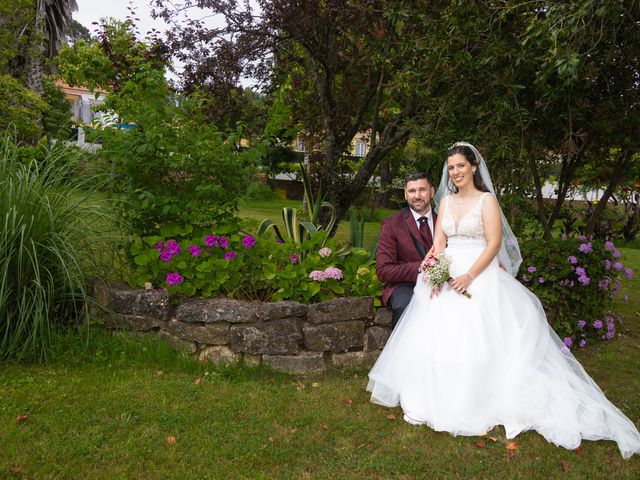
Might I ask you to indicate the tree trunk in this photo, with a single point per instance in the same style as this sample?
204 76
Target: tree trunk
35 62
616 177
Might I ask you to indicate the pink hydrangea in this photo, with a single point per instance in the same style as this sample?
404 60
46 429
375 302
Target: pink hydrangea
324 252
333 272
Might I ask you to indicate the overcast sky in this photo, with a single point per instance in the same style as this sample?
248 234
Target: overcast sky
90 11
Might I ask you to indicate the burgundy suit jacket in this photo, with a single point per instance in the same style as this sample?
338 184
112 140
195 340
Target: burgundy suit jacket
397 258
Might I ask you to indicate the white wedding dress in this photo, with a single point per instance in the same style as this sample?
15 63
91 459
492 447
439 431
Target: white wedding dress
465 365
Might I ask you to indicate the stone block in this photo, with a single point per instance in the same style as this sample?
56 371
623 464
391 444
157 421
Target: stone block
303 363
336 337
383 317
355 359
207 334
138 323
277 337
340 310
178 344
218 310
218 354
376 338
284 309
151 303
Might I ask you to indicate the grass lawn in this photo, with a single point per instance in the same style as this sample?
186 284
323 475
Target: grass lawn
105 410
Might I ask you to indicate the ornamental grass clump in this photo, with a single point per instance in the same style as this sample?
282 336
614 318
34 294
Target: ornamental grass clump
46 241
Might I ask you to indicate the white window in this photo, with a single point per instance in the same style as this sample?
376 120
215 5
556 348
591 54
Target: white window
361 148
300 146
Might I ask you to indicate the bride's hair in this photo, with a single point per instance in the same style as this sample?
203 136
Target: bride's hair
467 153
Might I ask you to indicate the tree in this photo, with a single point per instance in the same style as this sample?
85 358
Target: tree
348 66
51 23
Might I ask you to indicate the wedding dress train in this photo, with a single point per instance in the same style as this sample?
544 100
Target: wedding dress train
465 365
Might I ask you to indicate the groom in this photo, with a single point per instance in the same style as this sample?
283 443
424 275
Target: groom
405 238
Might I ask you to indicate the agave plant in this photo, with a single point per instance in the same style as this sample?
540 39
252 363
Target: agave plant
297 229
45 241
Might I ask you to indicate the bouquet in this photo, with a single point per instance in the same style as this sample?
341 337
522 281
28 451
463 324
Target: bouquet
435 272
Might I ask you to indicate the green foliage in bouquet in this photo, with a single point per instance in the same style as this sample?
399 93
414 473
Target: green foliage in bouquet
576 280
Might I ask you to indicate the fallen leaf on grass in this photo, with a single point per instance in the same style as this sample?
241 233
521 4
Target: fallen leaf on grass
159 372
480 444
198 381
315 384
348 401
324 426
391 417
578 450
171 440
293 431
565 465
511 449
242 416
493 439
16 470
21 418
271 439
299 386
638 314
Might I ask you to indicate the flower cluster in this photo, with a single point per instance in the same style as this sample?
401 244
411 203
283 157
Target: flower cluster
253 268
576 280
328 274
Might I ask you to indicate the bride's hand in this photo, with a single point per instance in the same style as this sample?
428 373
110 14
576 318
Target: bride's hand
430 253
461 284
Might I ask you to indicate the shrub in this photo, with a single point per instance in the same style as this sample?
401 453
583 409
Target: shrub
46 239
576 281
238 265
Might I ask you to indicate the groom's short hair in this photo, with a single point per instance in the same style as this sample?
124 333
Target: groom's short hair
412 177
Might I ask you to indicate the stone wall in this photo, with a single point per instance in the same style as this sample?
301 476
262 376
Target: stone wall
289 336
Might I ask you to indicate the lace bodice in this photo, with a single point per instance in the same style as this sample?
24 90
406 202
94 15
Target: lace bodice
469 227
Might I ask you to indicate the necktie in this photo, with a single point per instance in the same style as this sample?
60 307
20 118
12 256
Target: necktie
425 230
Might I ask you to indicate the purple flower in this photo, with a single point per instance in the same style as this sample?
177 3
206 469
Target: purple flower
224 242
567 341
628 273
324 252
586 248
159 246
525 278
294 258
581 323
573 260
230 255
333 272
604 283
173 247
580 271
248 241
195 250
317 276
616 254
609 245
607 265
174 278
583 343
625 298
532 269
540 279
584 280
564 236
618 266
165 256
279 241
582 238
211 240
597 324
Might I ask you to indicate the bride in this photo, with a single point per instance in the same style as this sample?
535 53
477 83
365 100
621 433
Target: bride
464 365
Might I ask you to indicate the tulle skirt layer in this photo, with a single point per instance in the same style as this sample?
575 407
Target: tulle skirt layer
466 365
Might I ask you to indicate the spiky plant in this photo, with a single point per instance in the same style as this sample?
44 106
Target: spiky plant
46 222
